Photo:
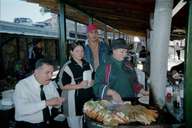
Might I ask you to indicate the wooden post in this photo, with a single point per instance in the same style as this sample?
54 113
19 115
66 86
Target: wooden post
62 33
188 70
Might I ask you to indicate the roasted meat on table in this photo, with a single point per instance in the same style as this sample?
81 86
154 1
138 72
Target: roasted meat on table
114 114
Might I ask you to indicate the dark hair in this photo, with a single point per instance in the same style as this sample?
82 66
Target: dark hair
43 61
72 46
143 47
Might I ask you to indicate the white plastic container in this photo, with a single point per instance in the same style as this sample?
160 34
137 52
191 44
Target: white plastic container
7 97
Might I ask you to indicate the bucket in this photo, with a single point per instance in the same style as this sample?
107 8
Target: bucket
7 97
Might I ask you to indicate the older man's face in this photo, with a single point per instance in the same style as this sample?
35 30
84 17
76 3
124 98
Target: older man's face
119 53
44 73
93 35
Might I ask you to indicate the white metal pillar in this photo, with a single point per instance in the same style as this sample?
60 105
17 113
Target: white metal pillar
159 49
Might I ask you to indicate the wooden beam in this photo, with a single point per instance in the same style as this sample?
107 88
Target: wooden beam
144 6
124 13
178 7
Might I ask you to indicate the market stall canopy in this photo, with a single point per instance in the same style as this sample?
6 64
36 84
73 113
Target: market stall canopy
128 16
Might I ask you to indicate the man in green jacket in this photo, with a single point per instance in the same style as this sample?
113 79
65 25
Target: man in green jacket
115 79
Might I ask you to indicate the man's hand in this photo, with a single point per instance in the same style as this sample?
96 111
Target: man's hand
54 101
116 97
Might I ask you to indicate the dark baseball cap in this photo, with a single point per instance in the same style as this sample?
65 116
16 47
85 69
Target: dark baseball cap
119 43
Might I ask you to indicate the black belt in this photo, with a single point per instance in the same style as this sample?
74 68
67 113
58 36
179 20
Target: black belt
24 124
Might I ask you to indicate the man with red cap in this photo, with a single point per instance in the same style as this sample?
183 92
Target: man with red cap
95 50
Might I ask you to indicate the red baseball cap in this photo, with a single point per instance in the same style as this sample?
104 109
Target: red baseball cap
91 27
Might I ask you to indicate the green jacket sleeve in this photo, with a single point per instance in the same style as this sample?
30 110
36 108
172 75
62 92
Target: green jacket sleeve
99 87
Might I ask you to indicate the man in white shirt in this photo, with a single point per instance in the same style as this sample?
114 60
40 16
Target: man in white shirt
34 95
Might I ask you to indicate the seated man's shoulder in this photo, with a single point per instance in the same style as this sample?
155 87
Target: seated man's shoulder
26 81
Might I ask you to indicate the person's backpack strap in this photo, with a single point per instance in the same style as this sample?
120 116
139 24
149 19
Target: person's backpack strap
107 75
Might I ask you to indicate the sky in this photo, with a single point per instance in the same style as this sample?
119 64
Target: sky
10 9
